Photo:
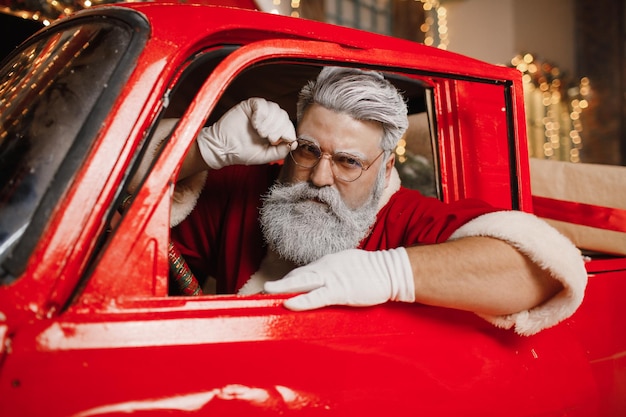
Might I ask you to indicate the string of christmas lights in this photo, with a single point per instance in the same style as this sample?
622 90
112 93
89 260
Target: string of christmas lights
435 26
553 109
47 11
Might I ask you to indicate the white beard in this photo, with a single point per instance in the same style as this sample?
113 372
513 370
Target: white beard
302 222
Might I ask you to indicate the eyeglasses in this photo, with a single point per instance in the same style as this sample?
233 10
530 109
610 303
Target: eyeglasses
345 166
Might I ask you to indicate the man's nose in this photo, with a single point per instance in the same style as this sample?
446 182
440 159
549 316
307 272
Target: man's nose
322 173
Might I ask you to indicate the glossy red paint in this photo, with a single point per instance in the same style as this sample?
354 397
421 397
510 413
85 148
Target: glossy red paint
88 329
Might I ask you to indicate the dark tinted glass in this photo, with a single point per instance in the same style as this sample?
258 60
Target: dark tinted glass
47 92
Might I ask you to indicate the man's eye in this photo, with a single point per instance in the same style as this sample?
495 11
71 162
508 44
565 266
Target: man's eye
348 161
308 149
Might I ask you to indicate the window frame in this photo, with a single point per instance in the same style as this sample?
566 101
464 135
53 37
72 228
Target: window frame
453 179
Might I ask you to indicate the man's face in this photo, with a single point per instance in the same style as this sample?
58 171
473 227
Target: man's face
310 212
337 132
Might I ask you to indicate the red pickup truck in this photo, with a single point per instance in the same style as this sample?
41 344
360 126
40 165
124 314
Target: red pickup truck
86 324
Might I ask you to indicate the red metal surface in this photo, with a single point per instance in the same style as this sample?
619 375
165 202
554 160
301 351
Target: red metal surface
123 347
386 359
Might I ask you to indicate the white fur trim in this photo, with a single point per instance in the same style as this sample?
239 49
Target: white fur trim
392 187
544 246
272 268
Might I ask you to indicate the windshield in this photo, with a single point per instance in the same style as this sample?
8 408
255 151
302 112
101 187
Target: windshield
47 92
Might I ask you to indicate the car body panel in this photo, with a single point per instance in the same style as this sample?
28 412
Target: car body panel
387 359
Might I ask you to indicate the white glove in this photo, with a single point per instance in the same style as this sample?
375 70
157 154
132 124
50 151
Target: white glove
247 134
353 277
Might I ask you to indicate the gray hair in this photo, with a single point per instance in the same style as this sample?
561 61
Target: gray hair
363 95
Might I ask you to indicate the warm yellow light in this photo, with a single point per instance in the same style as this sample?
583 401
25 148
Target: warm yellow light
435 31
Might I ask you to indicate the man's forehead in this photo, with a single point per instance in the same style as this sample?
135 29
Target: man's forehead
336 131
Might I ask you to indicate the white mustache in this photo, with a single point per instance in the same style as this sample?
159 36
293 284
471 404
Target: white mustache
302 192
305 191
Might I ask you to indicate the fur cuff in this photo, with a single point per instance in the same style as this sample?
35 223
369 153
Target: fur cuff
547 248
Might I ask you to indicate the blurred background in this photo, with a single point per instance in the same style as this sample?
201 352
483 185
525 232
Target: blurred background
572 54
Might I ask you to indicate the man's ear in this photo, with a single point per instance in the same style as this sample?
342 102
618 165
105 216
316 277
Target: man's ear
389 167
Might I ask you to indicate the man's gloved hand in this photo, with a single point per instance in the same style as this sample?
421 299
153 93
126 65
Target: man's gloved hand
353 277
247 134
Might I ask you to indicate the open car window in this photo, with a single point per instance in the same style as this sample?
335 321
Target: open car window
281 83
437 155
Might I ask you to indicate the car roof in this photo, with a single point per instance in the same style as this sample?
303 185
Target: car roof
193 22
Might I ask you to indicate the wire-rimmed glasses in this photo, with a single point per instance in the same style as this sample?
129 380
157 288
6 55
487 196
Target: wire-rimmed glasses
345 166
